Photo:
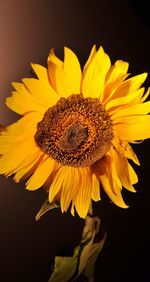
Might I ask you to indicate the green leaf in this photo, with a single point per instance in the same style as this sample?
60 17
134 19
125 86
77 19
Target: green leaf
45 208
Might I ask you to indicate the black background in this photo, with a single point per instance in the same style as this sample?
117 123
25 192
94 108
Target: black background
28 29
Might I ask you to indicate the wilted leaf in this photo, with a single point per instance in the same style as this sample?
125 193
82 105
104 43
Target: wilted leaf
91 227
82 263
88 229
45 208
90 266
64 267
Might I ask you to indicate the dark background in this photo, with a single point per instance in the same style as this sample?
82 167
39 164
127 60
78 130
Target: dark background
28 29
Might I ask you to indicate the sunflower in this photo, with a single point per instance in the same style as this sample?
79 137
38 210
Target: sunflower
74 134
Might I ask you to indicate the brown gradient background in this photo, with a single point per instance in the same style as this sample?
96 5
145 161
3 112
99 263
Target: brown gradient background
28 29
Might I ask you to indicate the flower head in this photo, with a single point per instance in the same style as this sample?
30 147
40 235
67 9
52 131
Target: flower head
74 135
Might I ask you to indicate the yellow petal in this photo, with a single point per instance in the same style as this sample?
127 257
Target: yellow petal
41 91
123 102
67 188
125 149
82 203
8 143
22 101
145 96
94 75
116 74
29 168
111 182
19 131
18 137
116 198
108 165
133 176
99 167
41 72
133 128
20 88
36 153
91 57
112 175
76 187
130 85
23 105
11 162
116 71
95 194
56 183
122 168
65 77
41 174
140 109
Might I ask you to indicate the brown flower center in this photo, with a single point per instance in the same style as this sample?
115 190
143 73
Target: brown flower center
77 131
